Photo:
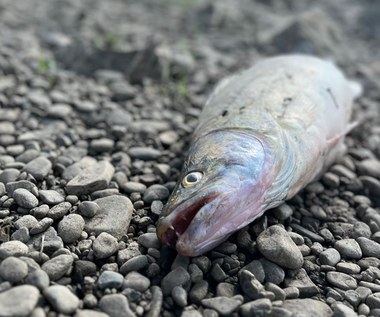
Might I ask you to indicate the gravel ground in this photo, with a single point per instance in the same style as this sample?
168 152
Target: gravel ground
98 100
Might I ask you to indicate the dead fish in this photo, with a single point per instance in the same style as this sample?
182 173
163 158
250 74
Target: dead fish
263 135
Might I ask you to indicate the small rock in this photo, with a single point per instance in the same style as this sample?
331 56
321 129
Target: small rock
303 282
136 281
276 245
155 192
115 305
144 153
177 277
58 211
341 280
89 313
18 301
39 168
25 198
51 197
134 264
58 266
13 269
329 257
257 306
109 279
307 307
70 228
348 249
149 240
61 299
105 245
13 248
88 208
179 296
38 278
369 247
223 305
250 285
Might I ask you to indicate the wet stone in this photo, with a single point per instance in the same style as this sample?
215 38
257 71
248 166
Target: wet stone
273 272
70 228
133 187
109 279
105 245
155 192
39 168
369 247
198 291
61 299
341 280
51 197
115 305
348 249
144 153
329 257
13 269
149 240
134 264
276 245
93 178
88 208
177 277
25 198
18 301
58 266
113 216
282 212
223 305
136 281
179 296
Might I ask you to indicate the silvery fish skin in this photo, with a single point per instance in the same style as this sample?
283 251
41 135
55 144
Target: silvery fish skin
263 135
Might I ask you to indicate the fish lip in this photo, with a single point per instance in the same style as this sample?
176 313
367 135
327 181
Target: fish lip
171 227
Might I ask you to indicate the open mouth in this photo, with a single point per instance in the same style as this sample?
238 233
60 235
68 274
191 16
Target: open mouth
171 227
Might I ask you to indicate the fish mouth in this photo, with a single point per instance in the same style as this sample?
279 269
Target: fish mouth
171 227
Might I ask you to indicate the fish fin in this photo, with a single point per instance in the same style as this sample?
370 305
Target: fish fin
334 140
356 88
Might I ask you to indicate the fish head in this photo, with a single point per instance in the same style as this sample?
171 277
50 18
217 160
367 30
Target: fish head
220 191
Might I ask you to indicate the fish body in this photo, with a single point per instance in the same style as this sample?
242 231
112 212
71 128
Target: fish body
263 135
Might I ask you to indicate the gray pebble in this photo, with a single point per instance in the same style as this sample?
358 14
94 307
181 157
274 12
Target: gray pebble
9 175
198 292
144 153
329 257
196 274
307 307
13 269
2 189
93 178
360 229
136 281
18 301
291 292
21 234
134 264
369 247
40 211
113 217
102 145
133 187
223 305
109 279
273 272
225 289
155 192
276 245
149 240
257 306
303 282
61 299
282 212
105 245
370 167
28 156
330 179
39 168
27 221
348 249
365 263
88 208
179 296
25 198
115 305
58 266
341 280
276 290
41 226
70 228
177 277
38 278
348 267
363 309
51 197
373 301
89 313
12 248
217 273
250 286
191 313
58 211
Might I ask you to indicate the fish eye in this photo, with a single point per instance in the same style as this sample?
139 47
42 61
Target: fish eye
191 179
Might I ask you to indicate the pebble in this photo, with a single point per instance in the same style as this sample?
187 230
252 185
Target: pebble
88 208
144 153
13 248
223 305
13 269
38 167
105 245
369 167
61 299
51 197
2 189
136 281
134 264
177 277
155 192
93 178
149 240
341 280
24 198
133 187
250 285
348 249
113 216
179 296
9 175
156 303
304 284
307 307
273 272
70 228
109 279
373 300
329 257
89 313
348 267
258 306
58 211
41 226
198 291
276 245
18 301
38 278
282 212
369 247
307 233
58 266
115 305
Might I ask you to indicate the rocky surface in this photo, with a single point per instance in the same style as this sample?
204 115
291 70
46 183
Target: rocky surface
98 100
